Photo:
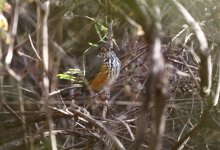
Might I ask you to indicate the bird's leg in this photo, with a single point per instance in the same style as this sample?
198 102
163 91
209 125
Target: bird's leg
100 100
104 112
94 104
105 105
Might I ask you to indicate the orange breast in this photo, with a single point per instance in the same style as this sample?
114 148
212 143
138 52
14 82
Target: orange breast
100 80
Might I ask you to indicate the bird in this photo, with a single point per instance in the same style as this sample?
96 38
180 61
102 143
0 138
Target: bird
102 67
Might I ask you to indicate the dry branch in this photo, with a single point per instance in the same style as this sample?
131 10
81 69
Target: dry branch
158 83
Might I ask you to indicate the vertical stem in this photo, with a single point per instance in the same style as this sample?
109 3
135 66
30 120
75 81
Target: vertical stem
148 14
21 104
45 37
109 21
1 78
8 59
38 26
46 83
12 33
159 86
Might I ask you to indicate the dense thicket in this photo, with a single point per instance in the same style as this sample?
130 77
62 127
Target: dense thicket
167 92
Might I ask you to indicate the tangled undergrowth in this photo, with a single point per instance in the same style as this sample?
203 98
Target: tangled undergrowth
39 110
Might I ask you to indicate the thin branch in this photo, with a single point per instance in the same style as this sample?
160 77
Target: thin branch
27 56
12 112
64 89
217 89
141 54
179 62
191 72
127 127
32 45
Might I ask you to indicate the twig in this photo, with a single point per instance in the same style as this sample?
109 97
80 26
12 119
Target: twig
11 111
179 62
61 90
142 53
127 127
135 51
24 55
177 36
32 45
25 41
191 73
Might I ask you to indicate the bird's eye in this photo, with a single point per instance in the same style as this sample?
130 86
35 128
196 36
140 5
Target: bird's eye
103 50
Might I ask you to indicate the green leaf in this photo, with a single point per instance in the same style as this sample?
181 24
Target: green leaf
73 74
